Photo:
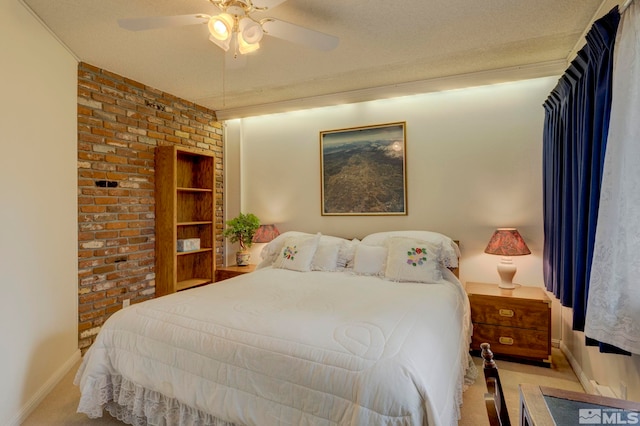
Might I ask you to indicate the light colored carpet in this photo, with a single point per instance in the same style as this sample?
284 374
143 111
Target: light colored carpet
559 375
59 407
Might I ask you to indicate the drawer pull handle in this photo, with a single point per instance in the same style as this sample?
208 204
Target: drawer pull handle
506 312
505 340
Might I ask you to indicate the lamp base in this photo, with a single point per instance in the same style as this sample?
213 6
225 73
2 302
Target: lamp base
507 286
506 270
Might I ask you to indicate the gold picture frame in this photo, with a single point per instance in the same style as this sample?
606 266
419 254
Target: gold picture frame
363 171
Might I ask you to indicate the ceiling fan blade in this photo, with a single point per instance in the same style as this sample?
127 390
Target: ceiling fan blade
268 4
150 23
297 34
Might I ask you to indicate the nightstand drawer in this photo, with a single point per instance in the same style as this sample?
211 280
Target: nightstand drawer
510 312
512 341
224 273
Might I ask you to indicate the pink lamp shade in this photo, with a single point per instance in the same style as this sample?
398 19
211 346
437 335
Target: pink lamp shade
507 242
265 233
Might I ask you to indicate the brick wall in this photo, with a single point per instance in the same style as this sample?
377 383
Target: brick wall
120 122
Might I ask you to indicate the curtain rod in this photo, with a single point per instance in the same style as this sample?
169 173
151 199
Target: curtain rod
625 5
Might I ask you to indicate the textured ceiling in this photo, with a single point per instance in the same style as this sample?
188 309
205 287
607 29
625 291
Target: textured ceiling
386 48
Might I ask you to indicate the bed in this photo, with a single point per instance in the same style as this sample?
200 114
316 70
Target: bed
326 331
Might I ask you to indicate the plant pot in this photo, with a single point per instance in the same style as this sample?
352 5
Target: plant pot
242 258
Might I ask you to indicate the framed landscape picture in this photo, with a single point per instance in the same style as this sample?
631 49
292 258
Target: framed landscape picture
363 170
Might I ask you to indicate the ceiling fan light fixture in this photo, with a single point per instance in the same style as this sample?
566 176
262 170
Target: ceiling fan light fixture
250 31
222 44
244 47
221 26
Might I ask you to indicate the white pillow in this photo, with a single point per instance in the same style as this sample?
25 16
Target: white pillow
449 253
326 256
297 253
347 253
412 260
369 260
271 251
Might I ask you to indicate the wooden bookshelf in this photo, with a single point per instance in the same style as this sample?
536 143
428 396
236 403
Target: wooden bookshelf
185 208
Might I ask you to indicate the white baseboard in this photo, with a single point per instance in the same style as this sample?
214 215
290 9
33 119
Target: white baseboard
44 390
584 380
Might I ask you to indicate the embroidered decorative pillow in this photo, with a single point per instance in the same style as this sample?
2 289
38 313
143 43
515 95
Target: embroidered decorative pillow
448 255
326 256
270 251
412 260
297 253
369 260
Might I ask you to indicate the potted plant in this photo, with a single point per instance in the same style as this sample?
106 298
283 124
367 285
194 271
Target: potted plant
241 229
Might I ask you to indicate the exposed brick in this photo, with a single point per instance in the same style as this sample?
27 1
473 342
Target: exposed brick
84 326
105 200
92 315
117 137
85 236
114 109
116 225
116 292
102 131
128 216
102 98
92 209
113 309
118 127
89 138
104 303
91 297
116 176
105 252
90 156
92 332
115 159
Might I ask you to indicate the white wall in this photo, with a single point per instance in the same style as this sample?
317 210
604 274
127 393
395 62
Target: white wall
474 163
38 217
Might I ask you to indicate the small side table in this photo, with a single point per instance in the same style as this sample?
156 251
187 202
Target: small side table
227 272
517 323
544 406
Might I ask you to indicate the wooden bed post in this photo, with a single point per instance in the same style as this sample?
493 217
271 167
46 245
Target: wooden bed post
494 398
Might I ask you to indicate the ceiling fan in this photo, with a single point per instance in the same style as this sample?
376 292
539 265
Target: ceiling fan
234 28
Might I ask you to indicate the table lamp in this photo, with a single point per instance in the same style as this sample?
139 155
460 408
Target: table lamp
265 233
507 242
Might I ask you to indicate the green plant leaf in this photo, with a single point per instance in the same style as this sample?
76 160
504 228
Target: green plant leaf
242 229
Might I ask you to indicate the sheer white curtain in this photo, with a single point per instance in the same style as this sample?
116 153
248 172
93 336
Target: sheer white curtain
613 307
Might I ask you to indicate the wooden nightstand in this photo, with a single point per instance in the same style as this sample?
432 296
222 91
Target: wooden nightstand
233 271
516 323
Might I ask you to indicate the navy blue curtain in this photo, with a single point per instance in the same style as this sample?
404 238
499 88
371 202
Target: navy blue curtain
574 142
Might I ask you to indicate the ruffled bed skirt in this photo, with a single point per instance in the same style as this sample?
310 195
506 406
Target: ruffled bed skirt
135 405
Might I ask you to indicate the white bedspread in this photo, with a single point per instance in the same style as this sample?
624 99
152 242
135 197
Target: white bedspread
277 347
